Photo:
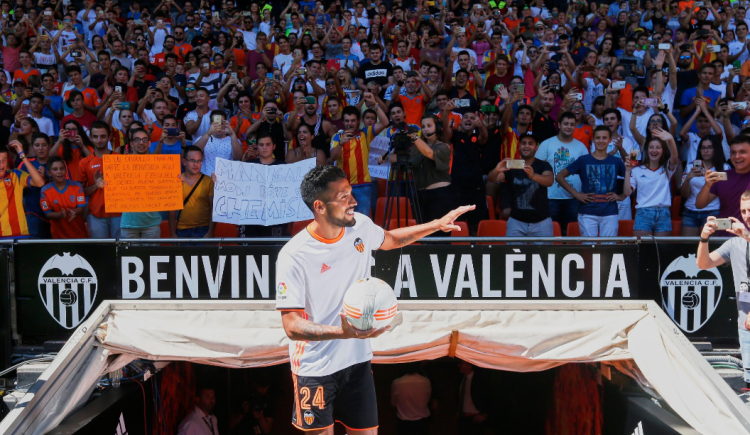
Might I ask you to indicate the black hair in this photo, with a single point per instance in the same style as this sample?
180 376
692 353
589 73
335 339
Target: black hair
351 110
315 184
615 111
719 158
100 125
564 116
603 128
191 148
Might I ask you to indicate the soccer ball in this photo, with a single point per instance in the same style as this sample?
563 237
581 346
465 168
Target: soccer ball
690 300
68 297
370 303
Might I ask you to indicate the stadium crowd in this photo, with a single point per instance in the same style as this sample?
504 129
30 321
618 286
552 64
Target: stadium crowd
580 116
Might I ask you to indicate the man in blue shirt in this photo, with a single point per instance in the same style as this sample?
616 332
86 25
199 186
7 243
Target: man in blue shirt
52 103
597 211
705 75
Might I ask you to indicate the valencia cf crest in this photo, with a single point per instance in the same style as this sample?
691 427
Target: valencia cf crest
359 245
690 295
8 182
309 417
67 287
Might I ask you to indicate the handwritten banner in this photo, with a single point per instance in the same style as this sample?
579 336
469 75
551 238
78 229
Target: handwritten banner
255 194
378 147
142 182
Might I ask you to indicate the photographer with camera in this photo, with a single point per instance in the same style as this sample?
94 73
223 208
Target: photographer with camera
431 160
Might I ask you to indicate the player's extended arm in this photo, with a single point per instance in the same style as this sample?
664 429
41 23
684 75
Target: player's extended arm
401 237
298 328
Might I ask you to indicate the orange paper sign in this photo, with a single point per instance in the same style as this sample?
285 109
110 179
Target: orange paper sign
143 182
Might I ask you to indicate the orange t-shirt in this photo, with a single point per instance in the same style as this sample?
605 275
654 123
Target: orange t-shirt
413 108
156 132
90 97
242 137
88 169
53 200
161 61
74 171
239 56
625 101
585 134
19 74
453 118
183 50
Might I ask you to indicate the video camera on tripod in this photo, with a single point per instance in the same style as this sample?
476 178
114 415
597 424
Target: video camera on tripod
401 176
401 140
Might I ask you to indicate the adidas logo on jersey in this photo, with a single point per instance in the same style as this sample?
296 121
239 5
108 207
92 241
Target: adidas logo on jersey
325 268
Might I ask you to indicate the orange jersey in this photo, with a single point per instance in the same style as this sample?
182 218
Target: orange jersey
19 74
12 215
355 155
183 50
625 101
88 169
585 134
90 97
161 61
239 56
156 132
71 197
413 108
74 172
453 117
242 134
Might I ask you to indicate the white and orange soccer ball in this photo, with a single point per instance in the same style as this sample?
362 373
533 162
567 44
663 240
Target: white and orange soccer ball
370 303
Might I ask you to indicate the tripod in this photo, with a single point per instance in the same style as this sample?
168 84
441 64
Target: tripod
401 172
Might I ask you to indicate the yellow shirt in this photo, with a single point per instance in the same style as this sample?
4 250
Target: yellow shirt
197 211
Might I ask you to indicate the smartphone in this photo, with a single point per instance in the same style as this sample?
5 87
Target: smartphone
738 105
206 65
118 89
216 119
159 21
665 47
553 66
578 97
233 75
651 102
216 15
246 13
138 22
521 88
463 102
554 48
125 106
301 71
269 76
48 13
310 100
722 176
188 65
460 30
75 54
43 37
633 157
698 4
723 224
713 48
617 86
173 132
554 88
101 13
70 134
698 164
515 164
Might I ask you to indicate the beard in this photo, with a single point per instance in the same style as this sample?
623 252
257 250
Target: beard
338 222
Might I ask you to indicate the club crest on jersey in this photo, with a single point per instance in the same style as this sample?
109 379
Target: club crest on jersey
8 182
359 245
309 417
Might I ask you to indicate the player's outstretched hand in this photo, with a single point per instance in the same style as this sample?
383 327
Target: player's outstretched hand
352 332
446 223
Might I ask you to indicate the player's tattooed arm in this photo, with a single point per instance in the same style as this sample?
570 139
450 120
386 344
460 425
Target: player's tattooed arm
298 328
403 241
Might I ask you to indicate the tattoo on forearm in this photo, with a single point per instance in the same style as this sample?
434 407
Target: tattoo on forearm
306 330
403 241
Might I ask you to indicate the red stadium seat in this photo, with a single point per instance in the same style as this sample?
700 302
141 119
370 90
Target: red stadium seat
556 230
382 187
676 227
675 209
403 205
490 228
491 208
225 231
164 227
573 229
625 229
463 232
299 226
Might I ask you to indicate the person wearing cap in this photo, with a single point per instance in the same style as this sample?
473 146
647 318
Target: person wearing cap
539 31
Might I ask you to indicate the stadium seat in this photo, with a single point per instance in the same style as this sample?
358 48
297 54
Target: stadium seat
463 232
401 223
403 205
573 229
299 226
676 227
164 227
675 209
490 228
225 231
625 229
382 186
556 230
491 208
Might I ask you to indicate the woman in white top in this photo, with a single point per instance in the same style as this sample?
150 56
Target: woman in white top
219 141
710 154
650 181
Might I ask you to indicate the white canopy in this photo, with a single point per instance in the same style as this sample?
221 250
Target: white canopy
634 336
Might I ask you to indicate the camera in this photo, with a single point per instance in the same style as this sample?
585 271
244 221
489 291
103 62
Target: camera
401 140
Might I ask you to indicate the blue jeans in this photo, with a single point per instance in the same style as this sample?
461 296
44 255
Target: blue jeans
192 233
564 211
103 228
697 219
38 228
744 336
362 193
653 219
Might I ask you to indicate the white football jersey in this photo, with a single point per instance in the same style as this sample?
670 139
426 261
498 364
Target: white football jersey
312 275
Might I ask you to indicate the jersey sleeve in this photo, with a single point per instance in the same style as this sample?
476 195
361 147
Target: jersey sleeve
290 284
375 234
45 201
574 167
78 192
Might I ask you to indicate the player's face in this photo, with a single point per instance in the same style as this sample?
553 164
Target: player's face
339 209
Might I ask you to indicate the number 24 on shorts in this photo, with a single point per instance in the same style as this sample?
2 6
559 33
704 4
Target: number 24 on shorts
318 400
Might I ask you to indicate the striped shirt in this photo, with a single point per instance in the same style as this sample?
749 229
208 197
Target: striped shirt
12 215
355 156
